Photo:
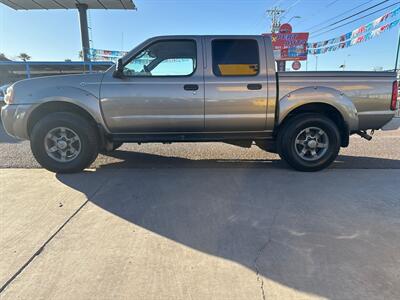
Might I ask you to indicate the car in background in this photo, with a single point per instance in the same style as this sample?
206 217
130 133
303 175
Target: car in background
3 91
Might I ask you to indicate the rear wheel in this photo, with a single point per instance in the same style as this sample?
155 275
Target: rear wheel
309 142
64 142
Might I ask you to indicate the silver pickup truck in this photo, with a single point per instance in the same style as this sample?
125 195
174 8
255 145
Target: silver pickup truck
198 89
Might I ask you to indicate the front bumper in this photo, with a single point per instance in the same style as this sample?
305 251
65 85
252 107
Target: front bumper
15 120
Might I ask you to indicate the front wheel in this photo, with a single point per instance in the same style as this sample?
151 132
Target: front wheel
309 142
64 142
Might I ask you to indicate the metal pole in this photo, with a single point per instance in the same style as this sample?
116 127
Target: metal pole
28 70
398 52
316 62
82 8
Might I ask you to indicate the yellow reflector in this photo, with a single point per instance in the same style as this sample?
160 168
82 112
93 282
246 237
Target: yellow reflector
242 69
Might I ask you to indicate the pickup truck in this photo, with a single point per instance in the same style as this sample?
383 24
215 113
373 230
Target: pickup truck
198 89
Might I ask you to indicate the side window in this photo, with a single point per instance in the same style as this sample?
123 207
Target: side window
164 58
234 57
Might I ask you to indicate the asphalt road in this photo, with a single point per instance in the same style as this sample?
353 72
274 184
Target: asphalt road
383 152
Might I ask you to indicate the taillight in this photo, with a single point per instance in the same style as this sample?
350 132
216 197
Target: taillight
395 94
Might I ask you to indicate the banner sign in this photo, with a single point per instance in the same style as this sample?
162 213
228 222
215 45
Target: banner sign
360 39
356 32
106 54
289 46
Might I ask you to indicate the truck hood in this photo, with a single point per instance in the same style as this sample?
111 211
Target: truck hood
30 91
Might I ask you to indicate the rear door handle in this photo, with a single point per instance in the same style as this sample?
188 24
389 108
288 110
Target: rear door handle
254 86
191 87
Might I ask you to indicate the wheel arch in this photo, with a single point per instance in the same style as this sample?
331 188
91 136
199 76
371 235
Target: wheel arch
46 108
324 109
327 101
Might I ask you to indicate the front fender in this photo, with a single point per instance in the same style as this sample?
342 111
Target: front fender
318 94
73 95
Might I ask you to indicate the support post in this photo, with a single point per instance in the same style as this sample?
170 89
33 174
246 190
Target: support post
28 70
397 54
82 8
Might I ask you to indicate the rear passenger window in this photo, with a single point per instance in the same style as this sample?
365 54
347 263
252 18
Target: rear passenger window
235 57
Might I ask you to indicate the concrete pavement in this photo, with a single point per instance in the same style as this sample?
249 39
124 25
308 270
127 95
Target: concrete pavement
239 232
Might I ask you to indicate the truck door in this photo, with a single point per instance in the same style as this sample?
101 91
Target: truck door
161 89
236 84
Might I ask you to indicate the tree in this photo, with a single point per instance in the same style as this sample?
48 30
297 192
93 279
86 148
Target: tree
24 57
68 60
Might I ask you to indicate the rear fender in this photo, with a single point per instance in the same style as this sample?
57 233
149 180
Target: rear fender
318 94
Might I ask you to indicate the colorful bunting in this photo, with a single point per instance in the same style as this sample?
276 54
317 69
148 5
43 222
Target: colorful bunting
355 33
357 40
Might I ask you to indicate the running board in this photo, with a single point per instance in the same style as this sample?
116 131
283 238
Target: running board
189 137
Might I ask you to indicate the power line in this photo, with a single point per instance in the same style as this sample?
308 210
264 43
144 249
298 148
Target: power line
356 19
333 2
342 14
349 17
291 6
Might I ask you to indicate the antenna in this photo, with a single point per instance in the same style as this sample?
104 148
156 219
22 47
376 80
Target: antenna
276 14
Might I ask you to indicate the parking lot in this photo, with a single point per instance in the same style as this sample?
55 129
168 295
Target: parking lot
202 221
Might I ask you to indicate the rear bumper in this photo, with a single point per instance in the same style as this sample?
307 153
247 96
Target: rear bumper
394 124
15 119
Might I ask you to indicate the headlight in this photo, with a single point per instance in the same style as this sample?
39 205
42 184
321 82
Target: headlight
9 97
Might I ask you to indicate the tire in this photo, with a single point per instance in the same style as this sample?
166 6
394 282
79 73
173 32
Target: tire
309 142
68 129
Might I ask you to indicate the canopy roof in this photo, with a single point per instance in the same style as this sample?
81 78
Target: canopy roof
68 4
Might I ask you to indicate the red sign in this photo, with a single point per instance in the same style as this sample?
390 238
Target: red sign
285 28
296 65
289 46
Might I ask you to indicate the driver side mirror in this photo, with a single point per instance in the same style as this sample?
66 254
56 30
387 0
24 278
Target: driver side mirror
119 70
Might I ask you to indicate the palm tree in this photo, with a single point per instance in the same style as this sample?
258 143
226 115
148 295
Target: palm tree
24 56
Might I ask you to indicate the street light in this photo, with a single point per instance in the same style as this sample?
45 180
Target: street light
294 17
344 63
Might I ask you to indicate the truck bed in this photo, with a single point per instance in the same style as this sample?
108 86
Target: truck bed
370 92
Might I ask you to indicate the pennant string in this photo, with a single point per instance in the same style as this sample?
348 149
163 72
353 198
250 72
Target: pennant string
357 32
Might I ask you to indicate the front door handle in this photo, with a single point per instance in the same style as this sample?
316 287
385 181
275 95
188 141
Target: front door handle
191 87
254 86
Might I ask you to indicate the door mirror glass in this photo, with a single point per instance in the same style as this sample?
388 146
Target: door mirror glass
119 69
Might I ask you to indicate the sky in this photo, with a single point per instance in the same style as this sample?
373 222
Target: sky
54 35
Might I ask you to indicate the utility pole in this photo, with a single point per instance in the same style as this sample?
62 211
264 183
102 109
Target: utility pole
275 14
